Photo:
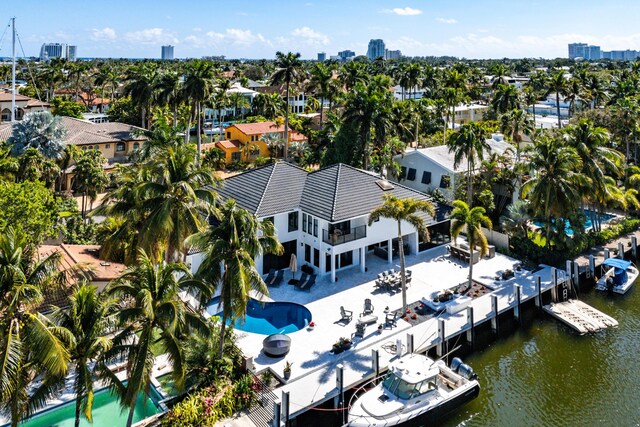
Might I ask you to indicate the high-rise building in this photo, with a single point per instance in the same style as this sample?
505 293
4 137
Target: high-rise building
592 52
72 52
346 54
392 54
376 49
322 56
53 50
576 50
167 52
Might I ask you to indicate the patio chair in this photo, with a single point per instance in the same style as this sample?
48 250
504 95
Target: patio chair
380 276
277 280
303 278
391 320
360 330
386 272
368 307
307 284
347 315
270 276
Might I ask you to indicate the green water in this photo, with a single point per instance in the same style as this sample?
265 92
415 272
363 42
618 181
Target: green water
546 375
107 412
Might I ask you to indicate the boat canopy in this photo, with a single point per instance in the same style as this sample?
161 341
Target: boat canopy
617 263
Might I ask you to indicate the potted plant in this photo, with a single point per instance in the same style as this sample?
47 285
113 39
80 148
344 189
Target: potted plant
341 345
287 370
311 326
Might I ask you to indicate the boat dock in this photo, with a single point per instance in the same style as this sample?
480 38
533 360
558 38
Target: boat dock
580 316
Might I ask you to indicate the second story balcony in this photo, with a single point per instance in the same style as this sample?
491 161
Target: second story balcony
338 236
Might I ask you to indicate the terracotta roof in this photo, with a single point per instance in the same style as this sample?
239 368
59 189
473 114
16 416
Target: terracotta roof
268 127
6 97
228 144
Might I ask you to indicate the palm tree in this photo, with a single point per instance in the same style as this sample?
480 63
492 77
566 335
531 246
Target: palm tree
90 177
557 85
500 76
30 344
505 99
517 217
268 105
88 318
469 144
514 124
168 92
353 73
141 86
471 221
320 82
406 210
198 85
175 200
289 71
554 189
40 130
230 249
574 94
153 316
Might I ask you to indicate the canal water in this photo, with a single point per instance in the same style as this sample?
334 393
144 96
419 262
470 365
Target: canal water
547 375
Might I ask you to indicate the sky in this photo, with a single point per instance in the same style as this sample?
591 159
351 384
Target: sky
259 28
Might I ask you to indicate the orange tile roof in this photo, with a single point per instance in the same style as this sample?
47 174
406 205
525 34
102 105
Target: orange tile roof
258 128
228 144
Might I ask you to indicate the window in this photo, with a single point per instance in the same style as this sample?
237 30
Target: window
293 221
315 227
228 135
426 177
96 147
136 145
307 253
316 257
411 176
445 181
403 173
120 146
304 222
309 224
107 146
235 157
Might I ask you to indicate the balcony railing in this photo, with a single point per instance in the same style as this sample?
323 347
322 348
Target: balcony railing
338 237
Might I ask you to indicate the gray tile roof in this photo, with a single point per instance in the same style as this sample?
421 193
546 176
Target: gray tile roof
335 193
268 190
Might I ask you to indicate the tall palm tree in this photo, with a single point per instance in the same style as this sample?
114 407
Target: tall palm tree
353 73
575 94
268 105
198 85
554 188
506 98
500 76
88 318
153 315
168 93
289 70
40 130
175 199
230 249
141 86
514 124
30 344
320 82
404 210
468 143
557 84
517 217
471 221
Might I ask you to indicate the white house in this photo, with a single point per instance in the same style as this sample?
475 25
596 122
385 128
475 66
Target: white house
321 216
426 169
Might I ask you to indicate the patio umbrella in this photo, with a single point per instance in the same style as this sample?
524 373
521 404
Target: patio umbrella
293 265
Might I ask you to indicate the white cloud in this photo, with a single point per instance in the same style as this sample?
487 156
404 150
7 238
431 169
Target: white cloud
447 21
310 36
103 34
234 36
151 36
406 11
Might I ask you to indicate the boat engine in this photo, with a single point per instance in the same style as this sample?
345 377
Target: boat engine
466 371
455 364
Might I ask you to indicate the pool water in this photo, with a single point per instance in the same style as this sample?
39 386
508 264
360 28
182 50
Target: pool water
587 225
269 317
107 412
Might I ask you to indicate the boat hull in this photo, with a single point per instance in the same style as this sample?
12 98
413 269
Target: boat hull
621 289
429 417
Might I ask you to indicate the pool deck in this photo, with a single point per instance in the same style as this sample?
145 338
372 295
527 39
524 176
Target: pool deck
314 367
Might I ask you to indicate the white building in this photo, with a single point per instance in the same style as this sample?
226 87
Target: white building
167 52
322 216
50 51
376 49
426 169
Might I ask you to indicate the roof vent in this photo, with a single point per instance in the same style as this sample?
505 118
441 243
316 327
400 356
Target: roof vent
385 185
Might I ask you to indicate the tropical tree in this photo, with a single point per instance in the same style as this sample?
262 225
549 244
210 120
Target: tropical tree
198 85
168 93
557 85
40 130
289 71
228 266
154 316
404 210
88 318
517 217
353 73
505 99
268 105
514 124
320 83
141 86
30 344
468 144
471 221
90 178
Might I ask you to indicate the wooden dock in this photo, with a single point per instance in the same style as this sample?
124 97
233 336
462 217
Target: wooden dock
580 316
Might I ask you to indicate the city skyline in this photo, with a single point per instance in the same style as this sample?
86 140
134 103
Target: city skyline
252 29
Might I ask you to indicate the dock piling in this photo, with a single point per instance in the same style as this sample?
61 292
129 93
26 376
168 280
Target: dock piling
634 246
494 318
607 255
554 284
339 403
409 343
539 293
517 313
470 331
576 275
591 271
275 422
621 250
285 407
441 349
375 362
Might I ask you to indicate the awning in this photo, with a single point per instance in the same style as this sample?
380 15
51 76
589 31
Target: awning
617 263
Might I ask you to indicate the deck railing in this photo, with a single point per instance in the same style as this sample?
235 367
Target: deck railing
338 237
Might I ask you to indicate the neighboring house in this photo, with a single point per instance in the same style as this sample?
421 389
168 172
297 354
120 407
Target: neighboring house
426 169
470 113
297 97
85 259
322 216
244 141
116 141
24 105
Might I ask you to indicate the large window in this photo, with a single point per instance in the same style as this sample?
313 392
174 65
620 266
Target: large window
304 222
316 257
120 146
426 177
309 224
411 175
235 157
315 227
445 181
307 253
293 221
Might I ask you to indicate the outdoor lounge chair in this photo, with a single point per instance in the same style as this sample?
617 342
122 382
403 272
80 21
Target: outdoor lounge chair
307 284
303 278
270 276
277 280
368 307
347 315
390 320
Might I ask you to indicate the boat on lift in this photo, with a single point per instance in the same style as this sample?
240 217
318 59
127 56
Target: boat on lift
619 275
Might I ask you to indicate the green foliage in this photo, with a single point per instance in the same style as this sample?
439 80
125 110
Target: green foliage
238 165
124 110
65 107
30 207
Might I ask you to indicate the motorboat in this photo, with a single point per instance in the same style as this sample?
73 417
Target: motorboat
415 391
619 275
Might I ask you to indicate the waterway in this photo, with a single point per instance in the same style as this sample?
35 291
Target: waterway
547 375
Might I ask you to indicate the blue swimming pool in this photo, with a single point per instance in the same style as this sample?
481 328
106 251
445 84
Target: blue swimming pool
268 318
587 225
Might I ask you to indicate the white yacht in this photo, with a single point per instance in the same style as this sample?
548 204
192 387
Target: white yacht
619 275
417 390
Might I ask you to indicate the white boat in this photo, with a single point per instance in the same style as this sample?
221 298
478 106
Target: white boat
417 390
619 276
